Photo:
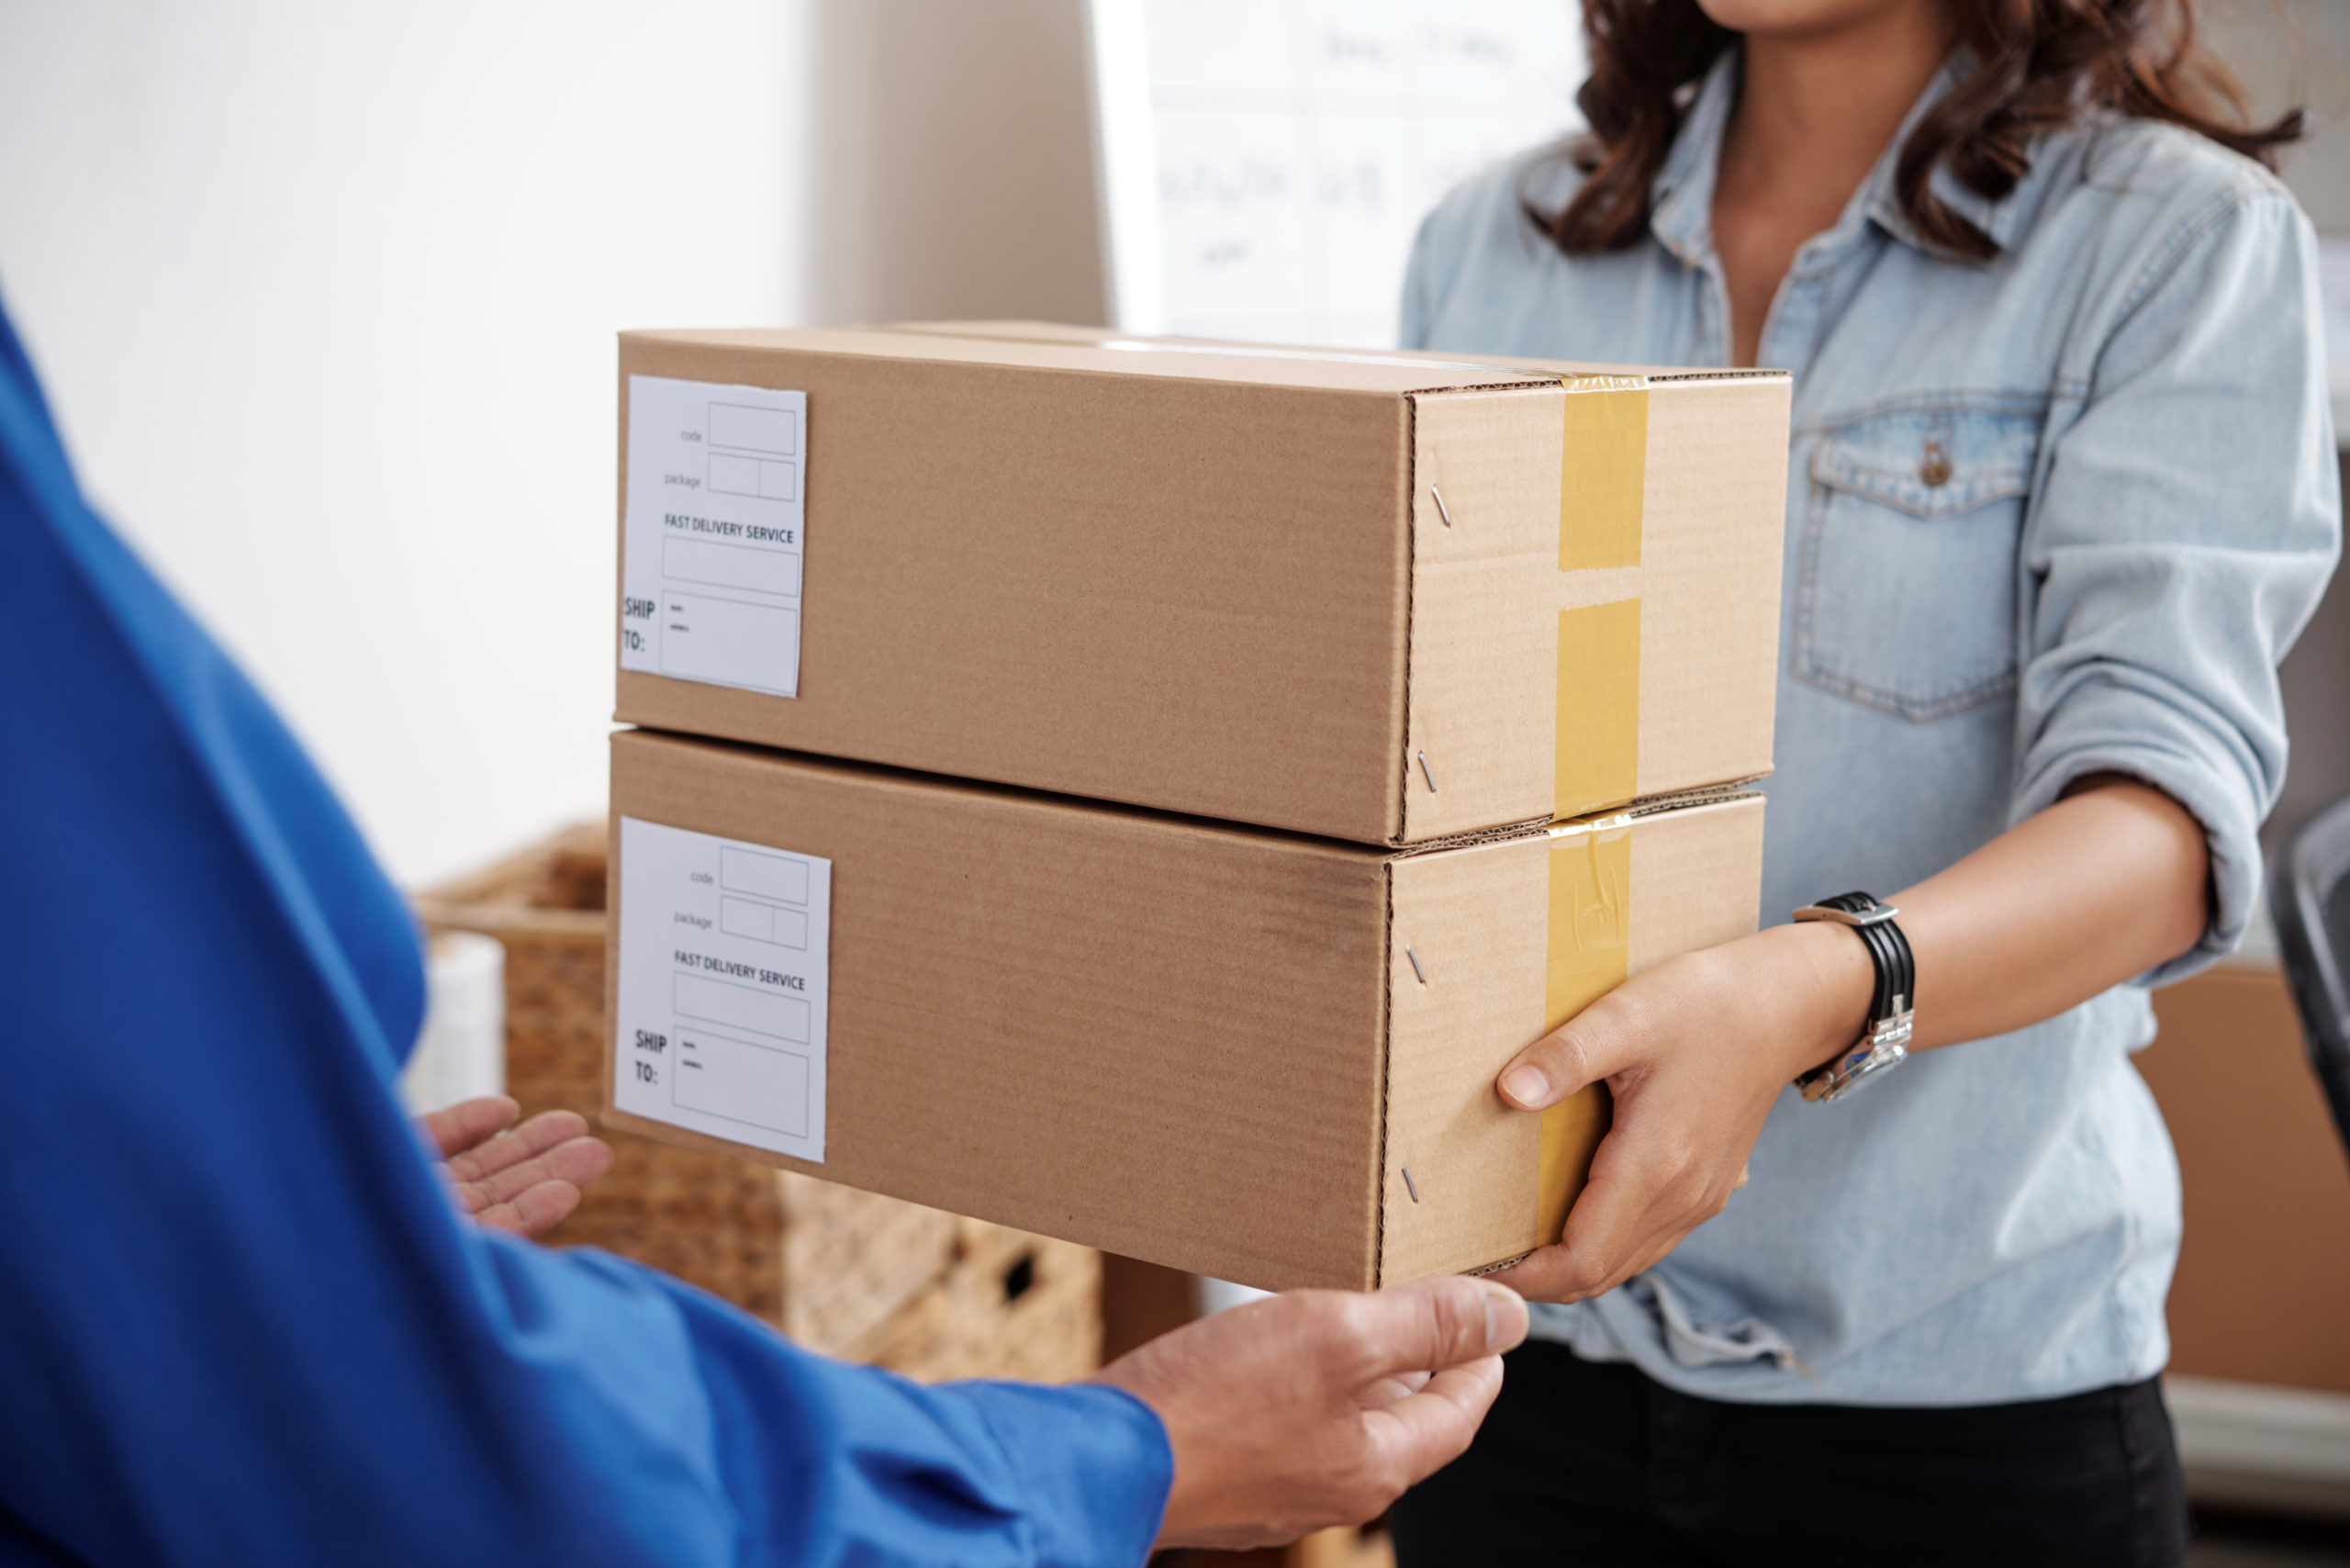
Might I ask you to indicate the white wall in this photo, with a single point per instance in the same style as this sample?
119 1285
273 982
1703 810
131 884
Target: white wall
324 295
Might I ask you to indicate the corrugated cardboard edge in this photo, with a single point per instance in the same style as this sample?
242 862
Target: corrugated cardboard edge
1400 817
1386 1081
1537 827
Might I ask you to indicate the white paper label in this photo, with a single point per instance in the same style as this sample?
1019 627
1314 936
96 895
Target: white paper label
724 957
716 529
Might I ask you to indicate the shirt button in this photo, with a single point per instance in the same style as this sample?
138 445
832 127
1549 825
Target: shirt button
1935 469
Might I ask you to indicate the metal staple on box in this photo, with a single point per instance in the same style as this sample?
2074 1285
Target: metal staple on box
1425 773
1409 1185
1438 496
1422 973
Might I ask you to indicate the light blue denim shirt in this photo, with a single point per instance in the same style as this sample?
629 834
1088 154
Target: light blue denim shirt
2139 513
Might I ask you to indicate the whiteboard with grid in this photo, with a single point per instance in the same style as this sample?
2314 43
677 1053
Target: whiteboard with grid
1264 163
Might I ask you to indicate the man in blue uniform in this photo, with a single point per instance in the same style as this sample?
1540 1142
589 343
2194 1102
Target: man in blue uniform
241 1321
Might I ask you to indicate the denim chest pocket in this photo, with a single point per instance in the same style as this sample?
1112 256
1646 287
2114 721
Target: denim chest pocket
1907 602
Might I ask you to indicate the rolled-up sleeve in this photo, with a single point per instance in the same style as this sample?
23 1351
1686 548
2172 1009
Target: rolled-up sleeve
2186 521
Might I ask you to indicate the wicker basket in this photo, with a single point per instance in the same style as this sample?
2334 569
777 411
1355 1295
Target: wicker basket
1011 1305
848 1272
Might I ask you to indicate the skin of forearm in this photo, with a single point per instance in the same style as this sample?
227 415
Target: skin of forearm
2104 884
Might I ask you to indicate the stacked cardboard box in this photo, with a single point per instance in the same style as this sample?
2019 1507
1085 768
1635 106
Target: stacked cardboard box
849 1272
1142 791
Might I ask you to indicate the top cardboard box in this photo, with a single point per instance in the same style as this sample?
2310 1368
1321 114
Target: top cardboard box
1383 597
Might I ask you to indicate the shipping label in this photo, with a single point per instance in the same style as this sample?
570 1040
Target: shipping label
721 1008
714 534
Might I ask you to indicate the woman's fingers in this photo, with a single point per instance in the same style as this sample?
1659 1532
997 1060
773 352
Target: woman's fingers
1594 1044
467 1123
1609 1224
1695 1065
1563 1272
1646 1192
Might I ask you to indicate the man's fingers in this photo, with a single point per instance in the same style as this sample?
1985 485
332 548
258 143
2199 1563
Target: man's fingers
1425 1431
1426 1326
1595 1044
532 1211
577 1162
467 1123
1387 1390
524 1181
541 1132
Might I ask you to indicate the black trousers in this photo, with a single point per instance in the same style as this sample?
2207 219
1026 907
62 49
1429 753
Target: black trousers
1590 1463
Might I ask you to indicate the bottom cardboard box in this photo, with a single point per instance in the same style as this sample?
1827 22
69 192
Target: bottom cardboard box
1242 1053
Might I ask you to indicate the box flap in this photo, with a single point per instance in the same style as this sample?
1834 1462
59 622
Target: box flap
1078 353
1495 367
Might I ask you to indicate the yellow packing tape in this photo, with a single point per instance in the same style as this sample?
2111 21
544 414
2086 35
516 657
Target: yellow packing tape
1589 955
1603 480
1599 708
1603 494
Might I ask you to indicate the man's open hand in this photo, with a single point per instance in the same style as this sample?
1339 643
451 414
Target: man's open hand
524 1180
1319 1407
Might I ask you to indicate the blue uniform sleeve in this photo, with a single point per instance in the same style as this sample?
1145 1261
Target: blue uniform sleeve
239 1322
2189 520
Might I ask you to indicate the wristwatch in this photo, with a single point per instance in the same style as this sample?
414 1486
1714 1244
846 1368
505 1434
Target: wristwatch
1885 1040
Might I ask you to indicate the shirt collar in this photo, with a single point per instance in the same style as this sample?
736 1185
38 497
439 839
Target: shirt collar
1682 211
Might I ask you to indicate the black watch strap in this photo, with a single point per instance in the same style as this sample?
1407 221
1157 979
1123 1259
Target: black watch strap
1886 1040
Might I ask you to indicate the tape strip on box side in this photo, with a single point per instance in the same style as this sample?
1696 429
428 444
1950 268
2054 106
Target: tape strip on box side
1603 505
1603 476
1589 955
1598 734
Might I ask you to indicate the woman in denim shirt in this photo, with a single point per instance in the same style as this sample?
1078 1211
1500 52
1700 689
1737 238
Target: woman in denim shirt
2062 493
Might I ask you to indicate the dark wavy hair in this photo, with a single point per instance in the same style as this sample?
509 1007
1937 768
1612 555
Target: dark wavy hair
2041 65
